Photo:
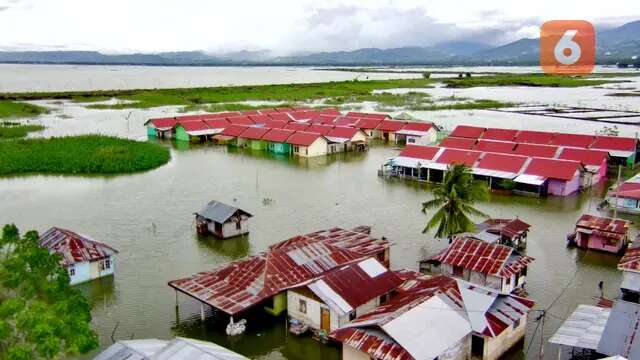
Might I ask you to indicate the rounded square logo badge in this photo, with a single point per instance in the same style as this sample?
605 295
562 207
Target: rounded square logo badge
567 47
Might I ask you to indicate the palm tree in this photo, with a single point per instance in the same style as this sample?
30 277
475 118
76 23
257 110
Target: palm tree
454 199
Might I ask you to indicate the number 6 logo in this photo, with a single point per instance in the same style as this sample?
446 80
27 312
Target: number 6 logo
567 47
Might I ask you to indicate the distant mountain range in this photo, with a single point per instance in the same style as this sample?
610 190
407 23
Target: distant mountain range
621 44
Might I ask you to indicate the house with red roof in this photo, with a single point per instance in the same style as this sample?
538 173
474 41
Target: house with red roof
380 116
194 131
534 137
494 146
277 140
387 129
83 258
630 267
622 150
600 233
626 196
161 127
594 161
536 150
345 138
497 168
411 162
450 157
368 125
466 131
499 134
418 133
308 144
230 134
342 294
296 126
252 138
458 143
490 265
549 176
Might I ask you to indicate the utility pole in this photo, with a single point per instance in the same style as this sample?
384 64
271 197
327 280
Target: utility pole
541 355
615 206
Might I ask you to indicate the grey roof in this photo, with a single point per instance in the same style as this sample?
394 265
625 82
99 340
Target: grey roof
177 349
583 329
630 281
219 212
621 336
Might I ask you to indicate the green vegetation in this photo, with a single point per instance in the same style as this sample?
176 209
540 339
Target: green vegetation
14 109
454 199
524 80
13 130
216 95
90 154
41 315
230 107
625 94
383 98
465 105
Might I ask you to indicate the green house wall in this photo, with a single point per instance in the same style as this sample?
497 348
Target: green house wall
631 161
257 144
151 131
279 148
279 304
181 134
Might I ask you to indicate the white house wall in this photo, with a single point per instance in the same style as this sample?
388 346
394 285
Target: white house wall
495 347
87 271
312 317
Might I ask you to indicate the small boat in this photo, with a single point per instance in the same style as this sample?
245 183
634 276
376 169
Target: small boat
298 328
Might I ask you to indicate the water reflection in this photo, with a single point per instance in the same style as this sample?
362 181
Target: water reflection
232 248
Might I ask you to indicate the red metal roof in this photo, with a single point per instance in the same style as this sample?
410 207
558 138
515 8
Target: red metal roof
234 130
534 137
458 143
536 150
242 284
303 115
614 143
280 116
420 152
319 129
456 156
267 111
628 189
259 118
296 126
254 133
483 257
604 224
631 259
552 168
345 121
390 125
275 124
585 156
277 135
163 123
505 227
418 126
367 115
330 111
284 109
499 134
376 344
221 115
194 125
240 120
303 138
505 147
466 131
217 123
343 132
502 162
74 248
572 140
367 124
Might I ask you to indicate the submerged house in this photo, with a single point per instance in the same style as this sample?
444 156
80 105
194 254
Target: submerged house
499 170
411 162
581 332
308 144
630 267
341 295
252 138
84 258
387 129
230 134
176 349
222 220
622 150
549 176
626 196
277 140
194 131
493 266
419 133
600 233
161 127
368 125
343 139
594 162
437 318
508 232
262 280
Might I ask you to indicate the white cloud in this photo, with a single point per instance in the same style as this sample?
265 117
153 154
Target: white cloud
282 25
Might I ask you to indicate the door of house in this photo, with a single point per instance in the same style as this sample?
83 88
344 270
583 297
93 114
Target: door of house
477 345
325 319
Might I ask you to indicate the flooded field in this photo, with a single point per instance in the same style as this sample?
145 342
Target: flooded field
148 218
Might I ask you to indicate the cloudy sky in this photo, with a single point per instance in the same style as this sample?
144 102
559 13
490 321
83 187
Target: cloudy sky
285 26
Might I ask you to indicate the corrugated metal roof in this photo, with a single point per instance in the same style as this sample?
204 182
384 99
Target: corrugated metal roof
583 329
320 129
500 134
217 123
534 137
277 135
536 150
343 132
303 138
458 143
603 225
240 120
456 156
280 116
495 146
420 152
142 349
621 335
552 168
572 140
163 123
237 286
502 162
346 121
296 126
234 130
367 124
505 227
254 133
465 131
188 349
390 125
73 247
631 259
368 115
417 126
586 157
219 212
614 143
259 118
303 115
194 126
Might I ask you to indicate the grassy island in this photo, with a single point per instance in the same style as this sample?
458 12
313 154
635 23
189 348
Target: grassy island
75 155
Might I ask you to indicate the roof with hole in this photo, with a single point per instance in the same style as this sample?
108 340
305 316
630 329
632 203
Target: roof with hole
456 156
552 168
466 131
458 143
73 247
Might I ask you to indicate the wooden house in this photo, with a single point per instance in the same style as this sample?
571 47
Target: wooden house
509 232
222 220
600 233
84 259
341 295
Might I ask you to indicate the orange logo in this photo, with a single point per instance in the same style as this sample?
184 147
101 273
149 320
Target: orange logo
567 47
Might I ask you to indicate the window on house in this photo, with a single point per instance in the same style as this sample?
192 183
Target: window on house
107 264
71 270
457 271
101 265
302 306
238 225
352 315
306 151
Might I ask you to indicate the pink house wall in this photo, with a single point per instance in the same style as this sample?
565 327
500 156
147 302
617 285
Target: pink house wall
564 188
597 242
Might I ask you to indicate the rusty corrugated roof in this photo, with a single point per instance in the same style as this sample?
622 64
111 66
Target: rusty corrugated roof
73 247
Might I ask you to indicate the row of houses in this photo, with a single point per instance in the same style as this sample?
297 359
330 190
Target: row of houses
339 283
526 175
621 150
609 328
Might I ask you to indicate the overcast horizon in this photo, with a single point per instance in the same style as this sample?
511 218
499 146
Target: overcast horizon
283 27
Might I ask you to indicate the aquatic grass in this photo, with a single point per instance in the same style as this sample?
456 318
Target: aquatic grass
9 130
534 80
230 107
467 105
15 109
74 155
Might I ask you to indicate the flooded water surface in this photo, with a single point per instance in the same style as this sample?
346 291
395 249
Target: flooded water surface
148 217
